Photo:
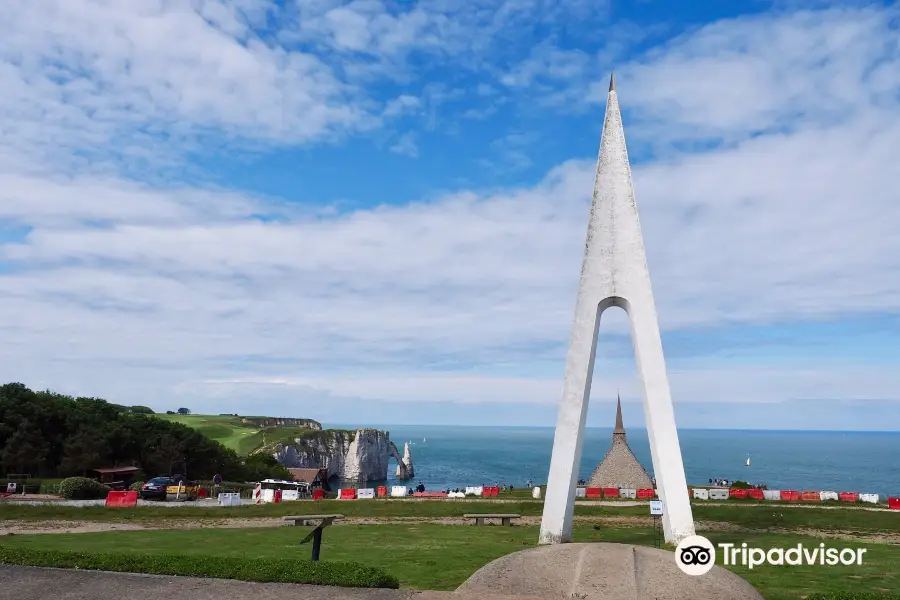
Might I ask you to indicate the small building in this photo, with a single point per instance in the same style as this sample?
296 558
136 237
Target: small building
316 478
620 468
111 475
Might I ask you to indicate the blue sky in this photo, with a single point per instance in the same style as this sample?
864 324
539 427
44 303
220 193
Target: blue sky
377 208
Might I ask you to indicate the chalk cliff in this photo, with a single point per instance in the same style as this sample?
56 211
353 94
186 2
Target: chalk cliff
408 472
360 456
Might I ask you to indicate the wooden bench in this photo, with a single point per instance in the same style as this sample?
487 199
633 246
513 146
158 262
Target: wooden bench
505 519
315 535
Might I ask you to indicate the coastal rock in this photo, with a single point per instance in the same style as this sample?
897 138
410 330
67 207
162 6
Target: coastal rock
325 450
282 422
409 472
360 456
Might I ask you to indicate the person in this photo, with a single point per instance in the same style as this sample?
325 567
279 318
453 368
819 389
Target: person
710 482
421 488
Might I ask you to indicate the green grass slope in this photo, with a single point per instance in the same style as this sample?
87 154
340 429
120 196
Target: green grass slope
232 432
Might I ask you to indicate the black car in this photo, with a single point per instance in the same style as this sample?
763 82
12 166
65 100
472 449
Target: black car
155 489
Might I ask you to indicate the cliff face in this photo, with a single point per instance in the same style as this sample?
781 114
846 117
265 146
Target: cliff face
327 450
408 472
360 456
282 422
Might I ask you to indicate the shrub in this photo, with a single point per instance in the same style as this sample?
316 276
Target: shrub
740 485
136 486
82 488
284 570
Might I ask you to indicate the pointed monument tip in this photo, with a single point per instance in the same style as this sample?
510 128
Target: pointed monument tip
612 81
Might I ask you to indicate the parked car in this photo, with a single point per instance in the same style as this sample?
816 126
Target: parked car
156 488
189 489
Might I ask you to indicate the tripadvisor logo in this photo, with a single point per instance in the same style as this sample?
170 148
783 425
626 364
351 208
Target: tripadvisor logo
696 555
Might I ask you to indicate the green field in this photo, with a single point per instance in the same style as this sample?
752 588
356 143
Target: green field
232 433
436 556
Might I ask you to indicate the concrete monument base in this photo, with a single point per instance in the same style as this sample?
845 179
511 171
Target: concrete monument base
601 572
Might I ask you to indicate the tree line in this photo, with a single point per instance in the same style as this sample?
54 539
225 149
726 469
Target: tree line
45 434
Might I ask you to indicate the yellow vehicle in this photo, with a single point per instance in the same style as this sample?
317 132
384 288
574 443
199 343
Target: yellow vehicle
188 490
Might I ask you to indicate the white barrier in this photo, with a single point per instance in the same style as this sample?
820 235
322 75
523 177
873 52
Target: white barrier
229 499
267 496
718 494
701 494
772 494
474 491
828 496
456 495
580 492
536 493
398 491
290 495
870 498
365 493
628 493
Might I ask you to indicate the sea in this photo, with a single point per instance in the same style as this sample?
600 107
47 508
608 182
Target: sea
449 457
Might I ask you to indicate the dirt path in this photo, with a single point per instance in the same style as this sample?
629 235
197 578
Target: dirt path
51 527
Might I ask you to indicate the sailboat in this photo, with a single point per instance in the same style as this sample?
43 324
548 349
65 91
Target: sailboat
423 440
748 460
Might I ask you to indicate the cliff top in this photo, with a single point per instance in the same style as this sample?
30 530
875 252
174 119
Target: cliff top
246 435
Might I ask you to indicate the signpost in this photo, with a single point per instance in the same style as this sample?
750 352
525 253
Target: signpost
656 511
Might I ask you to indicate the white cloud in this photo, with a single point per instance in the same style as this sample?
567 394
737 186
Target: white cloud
136 291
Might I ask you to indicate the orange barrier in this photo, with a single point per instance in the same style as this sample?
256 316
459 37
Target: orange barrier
348 494
848 497
610 492
808 496
645 494
894 503
489 492
122 499
593 492
790 495
430 494
738 493
757 494
381 491
318 494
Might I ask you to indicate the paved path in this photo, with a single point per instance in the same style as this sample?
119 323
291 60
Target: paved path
31 583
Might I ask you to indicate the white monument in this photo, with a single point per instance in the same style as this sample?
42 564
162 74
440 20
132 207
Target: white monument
615 273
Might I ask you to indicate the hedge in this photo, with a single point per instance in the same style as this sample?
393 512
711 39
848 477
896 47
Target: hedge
82 488
136 486
853 596
283 570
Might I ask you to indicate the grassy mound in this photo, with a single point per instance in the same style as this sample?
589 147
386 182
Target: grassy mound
283 570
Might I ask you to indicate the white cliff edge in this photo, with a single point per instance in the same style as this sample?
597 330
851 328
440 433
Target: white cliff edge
360 456
410 472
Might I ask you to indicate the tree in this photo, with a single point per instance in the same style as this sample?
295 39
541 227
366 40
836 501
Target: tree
25 451
184 411
140 410
81 453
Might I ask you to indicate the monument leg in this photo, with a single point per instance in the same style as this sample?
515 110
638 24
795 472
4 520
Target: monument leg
668 468
559 502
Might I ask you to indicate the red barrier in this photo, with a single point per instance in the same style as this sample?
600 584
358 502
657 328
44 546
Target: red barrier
490 491
276 497
809 496
894 503
201 493
610 492
757 494
848 497
348 494
430 494
318 494
790 495
381 491
738 493
122 499
593 492
645 494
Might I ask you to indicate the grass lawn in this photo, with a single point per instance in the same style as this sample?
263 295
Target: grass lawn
231 432
432 556
750 516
